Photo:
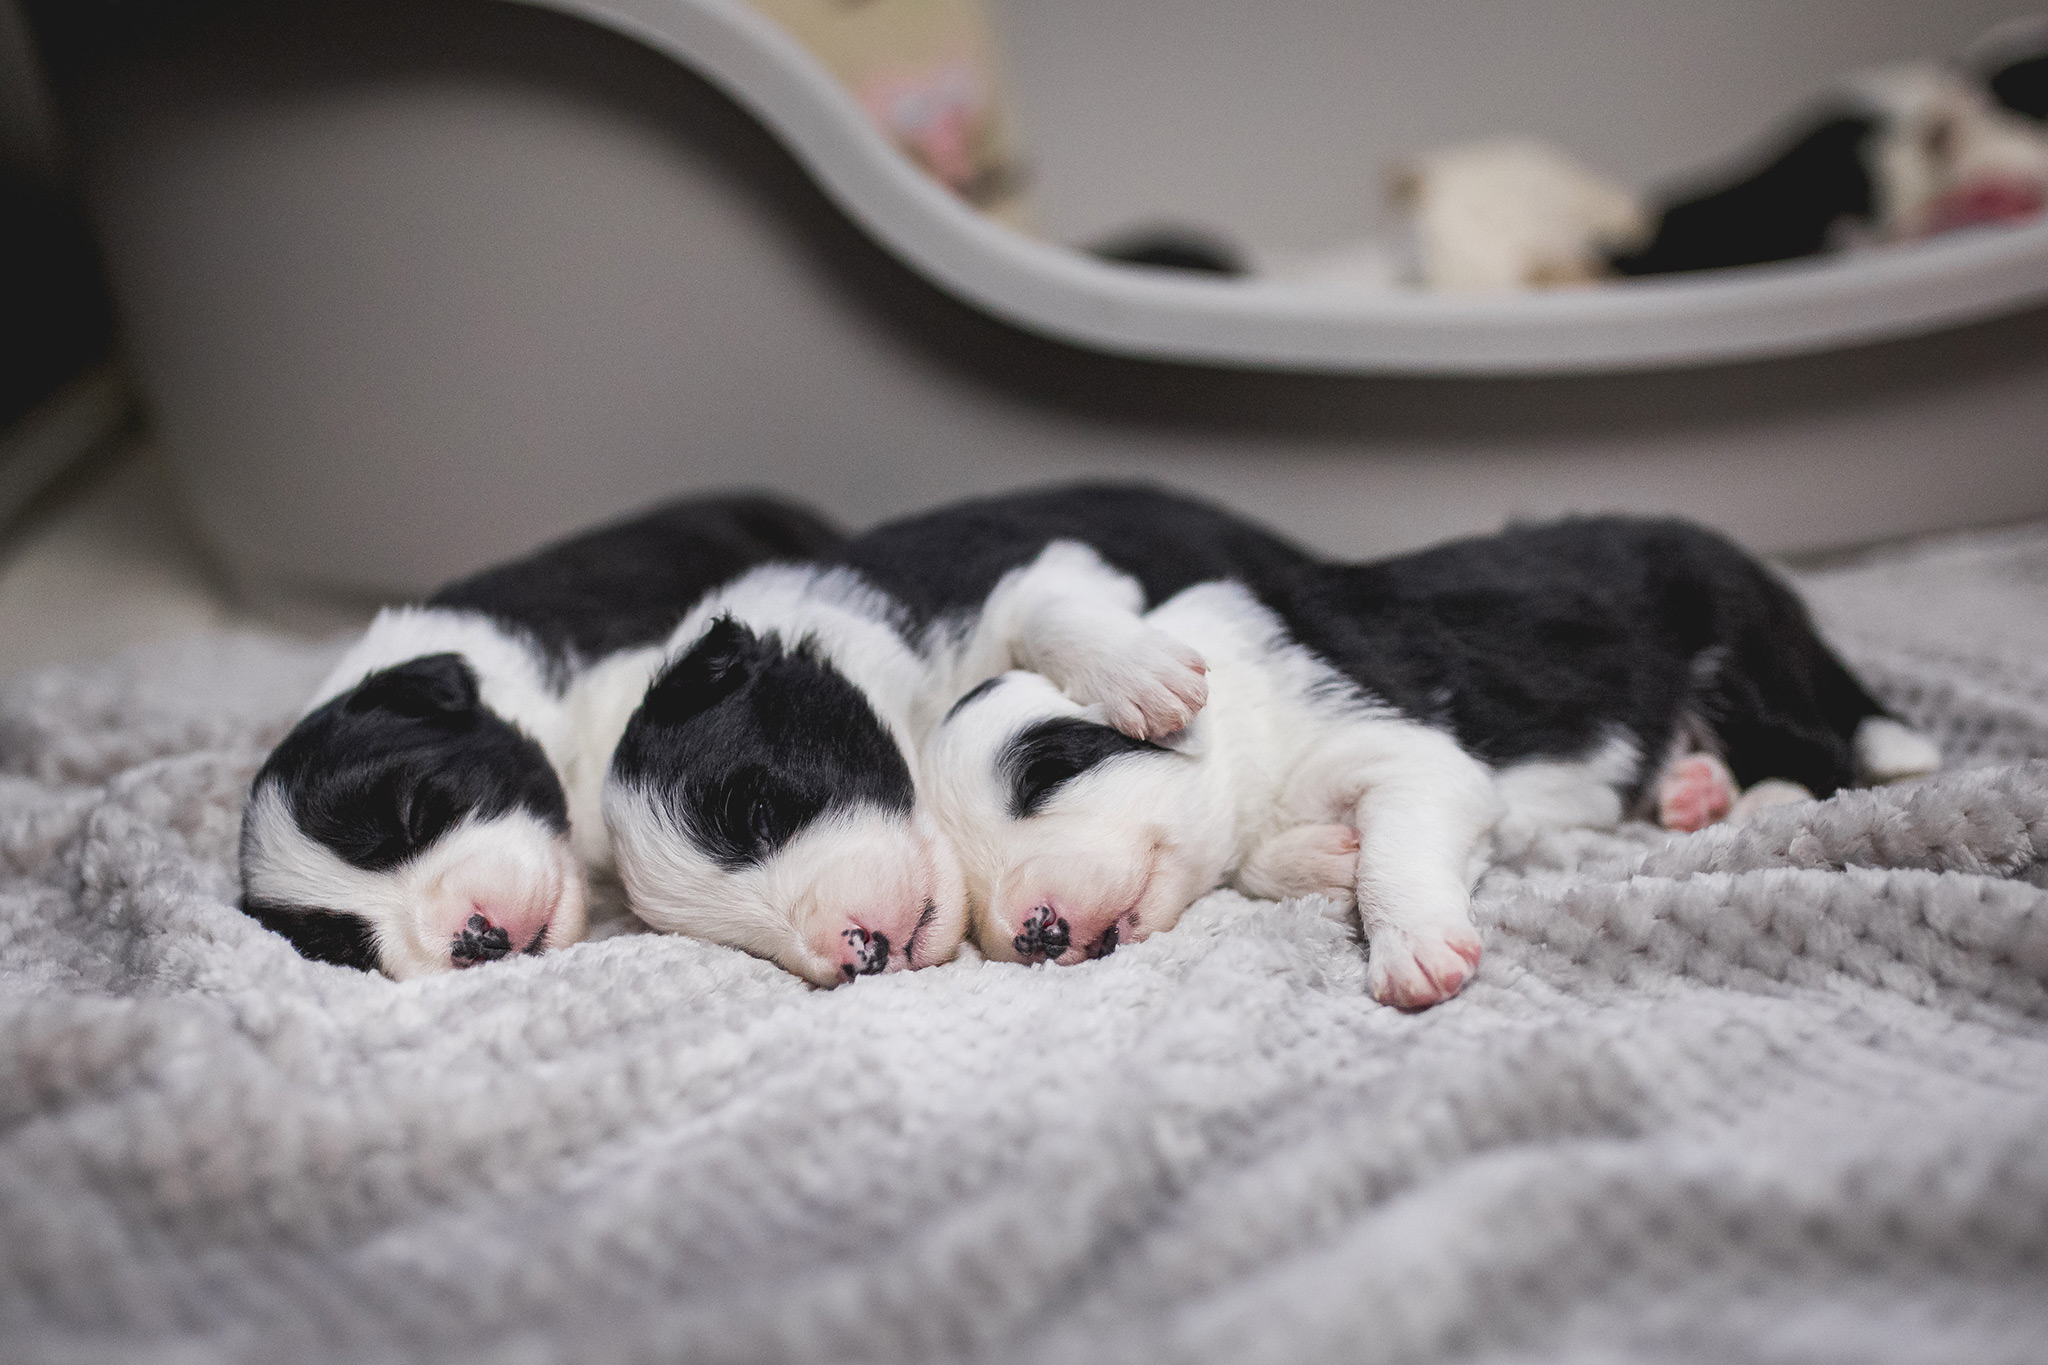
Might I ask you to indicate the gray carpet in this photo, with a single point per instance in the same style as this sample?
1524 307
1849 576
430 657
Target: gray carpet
1769 1094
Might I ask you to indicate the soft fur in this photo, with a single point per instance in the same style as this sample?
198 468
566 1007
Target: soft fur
1368 726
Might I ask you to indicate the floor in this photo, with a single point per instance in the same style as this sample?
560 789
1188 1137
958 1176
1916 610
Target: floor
105 559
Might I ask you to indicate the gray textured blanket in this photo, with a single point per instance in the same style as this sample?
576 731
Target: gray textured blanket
1777 1093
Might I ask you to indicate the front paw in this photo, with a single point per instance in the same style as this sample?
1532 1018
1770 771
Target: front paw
1414 967
1153 686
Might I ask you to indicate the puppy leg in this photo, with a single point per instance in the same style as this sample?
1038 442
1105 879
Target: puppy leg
1694 791
1079 622
1308 860
1422 807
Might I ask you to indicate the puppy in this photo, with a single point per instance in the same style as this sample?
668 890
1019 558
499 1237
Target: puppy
1902 153
428 810
765 793
1367 726
1512 214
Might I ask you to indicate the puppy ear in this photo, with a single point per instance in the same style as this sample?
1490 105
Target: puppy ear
435 686
705 674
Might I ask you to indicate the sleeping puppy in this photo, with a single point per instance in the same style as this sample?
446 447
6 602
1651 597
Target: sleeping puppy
1368 725
435 807
1902 153
765 794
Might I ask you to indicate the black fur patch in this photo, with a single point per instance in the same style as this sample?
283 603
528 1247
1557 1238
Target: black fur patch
389 766
323 935
1173 248
2023 86
629 582
746 742
940 563
1780 212
1542 641
1042 758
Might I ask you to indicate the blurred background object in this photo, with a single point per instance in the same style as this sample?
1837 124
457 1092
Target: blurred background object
60 394
410 287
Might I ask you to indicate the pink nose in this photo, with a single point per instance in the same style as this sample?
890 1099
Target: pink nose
484 939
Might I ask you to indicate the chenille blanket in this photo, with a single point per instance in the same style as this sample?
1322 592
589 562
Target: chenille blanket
1772 1093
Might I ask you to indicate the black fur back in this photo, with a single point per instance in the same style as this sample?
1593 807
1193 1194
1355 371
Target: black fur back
1779 212
1535 642
630 581
946 561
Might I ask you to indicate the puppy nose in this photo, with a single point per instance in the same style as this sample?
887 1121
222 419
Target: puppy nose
1043 935
867 953
481 941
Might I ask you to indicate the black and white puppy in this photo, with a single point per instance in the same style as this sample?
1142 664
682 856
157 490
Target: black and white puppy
1901 153
765 794
436 805
1368 725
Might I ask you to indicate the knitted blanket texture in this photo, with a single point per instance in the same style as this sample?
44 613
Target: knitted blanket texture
1768 1093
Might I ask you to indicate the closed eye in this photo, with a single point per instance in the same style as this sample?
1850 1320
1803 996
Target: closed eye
1046 756
980 690
748 817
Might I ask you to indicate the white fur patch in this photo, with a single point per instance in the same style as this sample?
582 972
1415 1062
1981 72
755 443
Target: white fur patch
1582 793
1887 751
1513 213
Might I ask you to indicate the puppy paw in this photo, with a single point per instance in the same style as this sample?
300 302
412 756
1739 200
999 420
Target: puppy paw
1153 685
1414 967
1308 860
1764 795
1694 792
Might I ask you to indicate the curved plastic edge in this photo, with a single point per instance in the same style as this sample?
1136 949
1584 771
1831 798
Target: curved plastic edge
1730 316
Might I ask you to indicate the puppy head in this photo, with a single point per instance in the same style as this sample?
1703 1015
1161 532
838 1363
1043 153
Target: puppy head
403 826
1072 837
1944 156
757 799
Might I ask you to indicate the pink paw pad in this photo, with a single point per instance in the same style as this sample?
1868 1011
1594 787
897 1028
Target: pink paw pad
1694 792
1413 973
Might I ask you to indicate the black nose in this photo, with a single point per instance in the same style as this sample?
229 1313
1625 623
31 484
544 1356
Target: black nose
1045 935
870 953
480 941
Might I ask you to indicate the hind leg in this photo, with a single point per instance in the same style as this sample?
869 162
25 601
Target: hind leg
1308 860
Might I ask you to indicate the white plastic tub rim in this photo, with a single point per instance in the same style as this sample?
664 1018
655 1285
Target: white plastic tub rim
1735 315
